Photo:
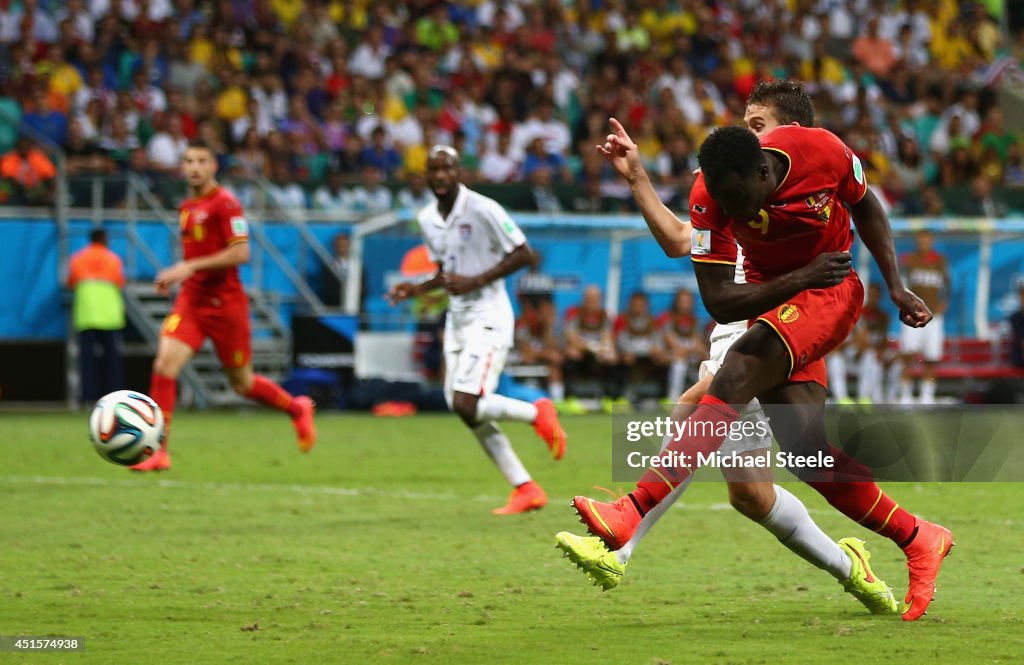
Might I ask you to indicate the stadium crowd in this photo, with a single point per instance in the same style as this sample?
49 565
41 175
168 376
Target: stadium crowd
331 99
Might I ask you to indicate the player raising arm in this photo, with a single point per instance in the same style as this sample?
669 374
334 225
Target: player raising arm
477 245
212 303
751 491
786 200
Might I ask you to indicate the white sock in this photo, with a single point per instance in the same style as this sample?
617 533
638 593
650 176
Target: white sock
836 364
649 520
499 449
928 391
499 407
789 522
557 391
677 378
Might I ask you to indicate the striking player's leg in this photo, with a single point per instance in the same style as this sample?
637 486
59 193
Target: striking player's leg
171 357
757 361
925 544
471 376
228 328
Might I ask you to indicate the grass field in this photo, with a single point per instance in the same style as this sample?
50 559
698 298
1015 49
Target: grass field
379 547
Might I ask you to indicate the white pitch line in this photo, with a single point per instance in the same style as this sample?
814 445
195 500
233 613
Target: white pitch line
327 490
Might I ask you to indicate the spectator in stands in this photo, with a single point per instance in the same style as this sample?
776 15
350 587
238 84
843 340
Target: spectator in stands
96 275
640 347
28 174
82 155
874 51
537 157
120 141
283 192
590 350
415 195
926 274
249 161
1013 175
590 199
982 201
370 196
167 146
369 57
379 154
545 199
333 287
43 120
332 196
498 164
683 340
1017 331
536 342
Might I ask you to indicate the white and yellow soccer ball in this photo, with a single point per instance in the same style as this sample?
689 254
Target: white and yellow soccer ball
126 427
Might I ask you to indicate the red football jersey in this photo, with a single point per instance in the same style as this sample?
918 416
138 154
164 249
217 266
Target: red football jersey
805 217
208 225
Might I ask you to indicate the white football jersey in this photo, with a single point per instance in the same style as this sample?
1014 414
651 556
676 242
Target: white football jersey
475 237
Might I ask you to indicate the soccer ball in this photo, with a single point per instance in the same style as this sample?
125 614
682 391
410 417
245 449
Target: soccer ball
126 427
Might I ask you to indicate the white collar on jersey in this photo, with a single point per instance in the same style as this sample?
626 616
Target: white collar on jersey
458 208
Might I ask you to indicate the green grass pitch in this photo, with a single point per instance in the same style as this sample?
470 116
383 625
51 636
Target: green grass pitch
379 547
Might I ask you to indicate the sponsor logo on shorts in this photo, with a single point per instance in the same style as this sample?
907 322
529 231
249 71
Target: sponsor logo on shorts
698 208
788 313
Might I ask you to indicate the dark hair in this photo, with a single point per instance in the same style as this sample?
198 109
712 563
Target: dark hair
788 98
200 144
729 150
98 235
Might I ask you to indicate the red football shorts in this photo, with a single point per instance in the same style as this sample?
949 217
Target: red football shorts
224 320
815 322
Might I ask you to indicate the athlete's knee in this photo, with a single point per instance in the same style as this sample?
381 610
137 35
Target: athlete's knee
465 405
696 392
735 382
752 500
241 381
165 365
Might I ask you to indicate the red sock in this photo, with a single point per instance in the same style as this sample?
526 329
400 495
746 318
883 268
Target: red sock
864 502
657 483
869 506
164 391
270 394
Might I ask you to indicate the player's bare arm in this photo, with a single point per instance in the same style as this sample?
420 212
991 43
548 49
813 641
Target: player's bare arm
727 301
234 255
518 258
405 290
873 226
672 234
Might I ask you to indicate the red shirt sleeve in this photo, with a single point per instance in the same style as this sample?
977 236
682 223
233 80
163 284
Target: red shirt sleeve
232 222
852 184
712 240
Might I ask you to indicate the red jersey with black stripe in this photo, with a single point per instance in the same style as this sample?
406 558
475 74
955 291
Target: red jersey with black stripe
209 224
807 215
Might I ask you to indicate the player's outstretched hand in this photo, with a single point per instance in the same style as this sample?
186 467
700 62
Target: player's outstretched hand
827 270
458 285
400 292
913 311
168 278
621 152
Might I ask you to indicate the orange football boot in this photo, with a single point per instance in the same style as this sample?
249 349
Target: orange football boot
528 496
158 461
924 557
548 428
304 427
614 522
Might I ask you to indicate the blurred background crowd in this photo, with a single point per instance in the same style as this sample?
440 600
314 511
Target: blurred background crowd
335 102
